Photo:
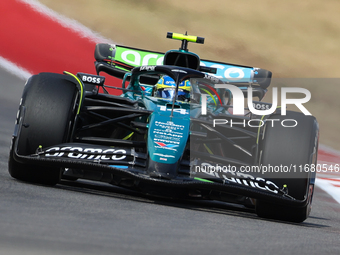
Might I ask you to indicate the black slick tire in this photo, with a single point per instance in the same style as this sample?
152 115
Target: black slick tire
47 108
294 147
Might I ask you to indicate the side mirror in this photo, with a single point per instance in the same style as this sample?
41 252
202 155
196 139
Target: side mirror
104 52
262 77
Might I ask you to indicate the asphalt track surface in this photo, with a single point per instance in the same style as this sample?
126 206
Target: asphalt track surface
93 218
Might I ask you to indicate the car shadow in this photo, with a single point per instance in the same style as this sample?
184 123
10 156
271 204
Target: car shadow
216 207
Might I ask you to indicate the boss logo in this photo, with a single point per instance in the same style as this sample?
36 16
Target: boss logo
261 106
92 79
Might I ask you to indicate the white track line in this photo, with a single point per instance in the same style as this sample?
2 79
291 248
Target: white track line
330 180
327 186
14 69
330 150
80 29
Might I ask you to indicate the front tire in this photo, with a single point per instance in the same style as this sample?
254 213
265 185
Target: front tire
290 146
48 108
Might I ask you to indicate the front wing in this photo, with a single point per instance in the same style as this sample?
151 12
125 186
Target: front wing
121 165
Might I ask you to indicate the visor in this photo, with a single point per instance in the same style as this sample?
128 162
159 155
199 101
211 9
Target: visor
169 93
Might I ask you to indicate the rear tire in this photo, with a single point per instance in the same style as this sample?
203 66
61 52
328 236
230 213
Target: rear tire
286 146
48 108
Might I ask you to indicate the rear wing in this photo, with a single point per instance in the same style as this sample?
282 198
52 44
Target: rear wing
117 60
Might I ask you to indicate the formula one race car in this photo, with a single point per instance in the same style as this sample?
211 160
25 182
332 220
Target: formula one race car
173 131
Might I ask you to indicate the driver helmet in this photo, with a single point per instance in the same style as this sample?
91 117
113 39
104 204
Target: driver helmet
166 86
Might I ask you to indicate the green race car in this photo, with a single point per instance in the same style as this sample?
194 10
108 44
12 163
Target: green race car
172 132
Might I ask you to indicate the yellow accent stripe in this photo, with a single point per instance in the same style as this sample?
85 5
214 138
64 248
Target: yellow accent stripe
81 89
207 148
207 91
258 130
128 136
189 38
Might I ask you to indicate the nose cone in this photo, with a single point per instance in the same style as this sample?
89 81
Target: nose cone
167 139
162 170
